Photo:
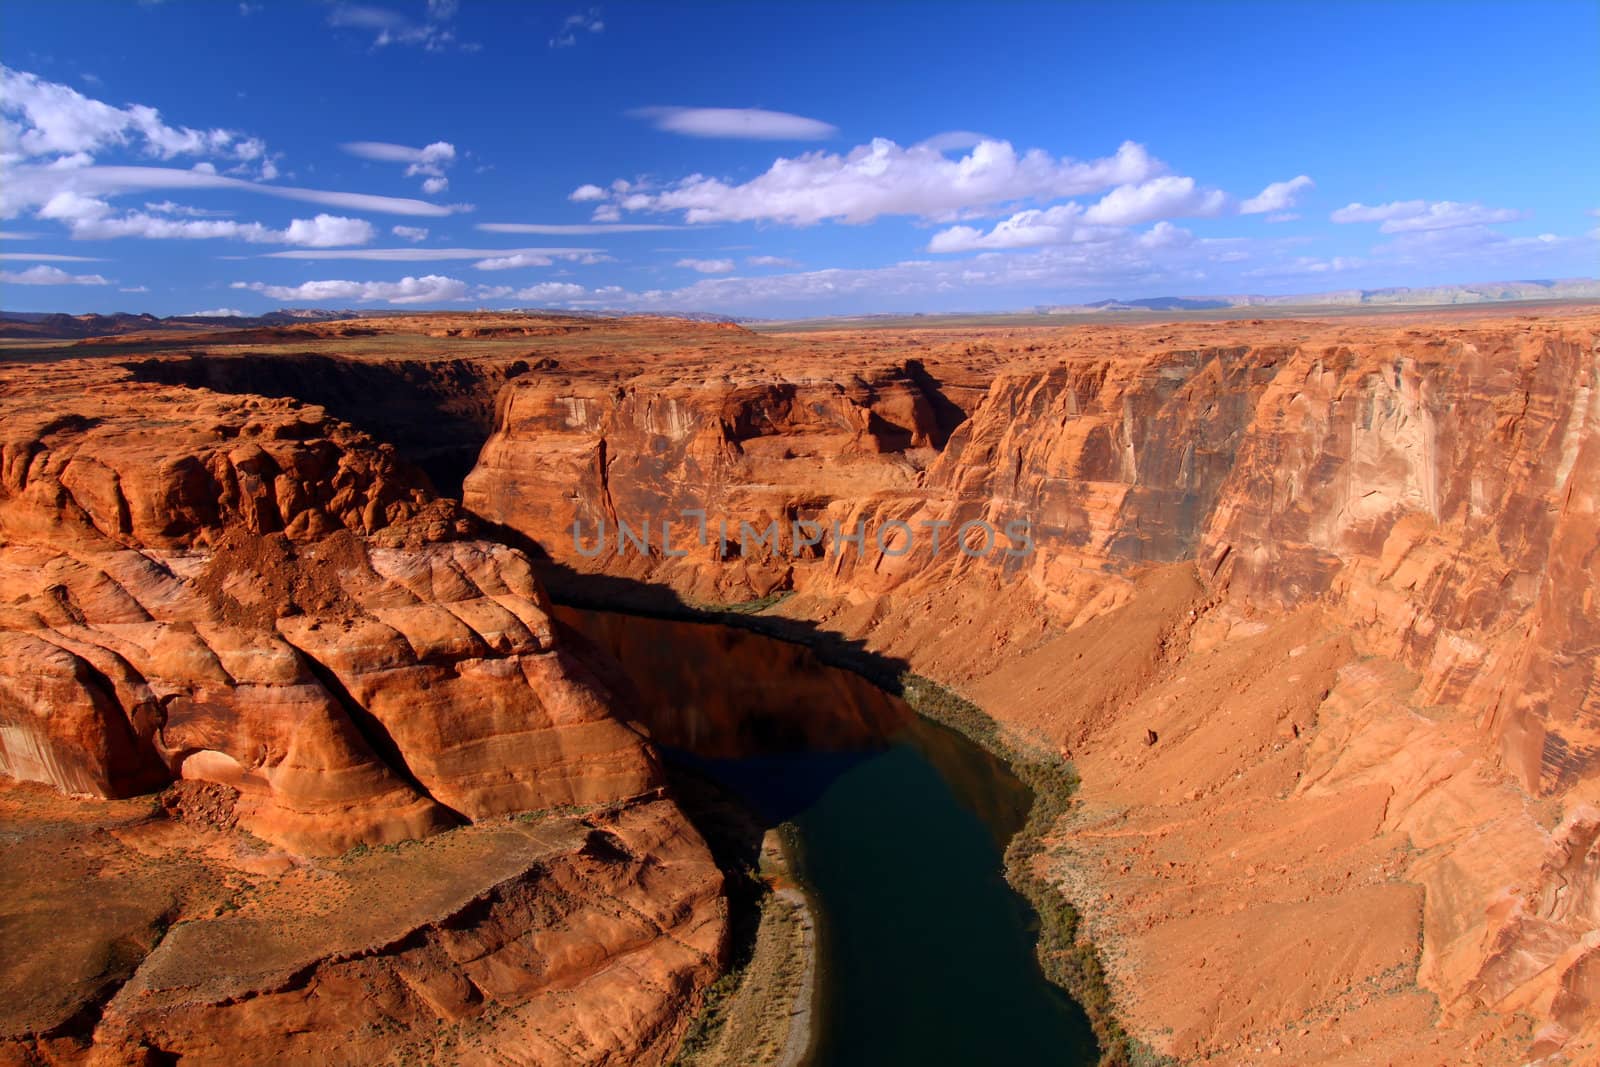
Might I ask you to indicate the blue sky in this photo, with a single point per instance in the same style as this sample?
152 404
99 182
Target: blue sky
766 160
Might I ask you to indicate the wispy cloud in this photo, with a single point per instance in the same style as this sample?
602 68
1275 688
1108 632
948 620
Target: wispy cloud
1408 216
576 24
410 233
33 186
736 123
708 266
218 313
43 257
429 255
42 275
771 261
428 162
554 228
433 32
88 218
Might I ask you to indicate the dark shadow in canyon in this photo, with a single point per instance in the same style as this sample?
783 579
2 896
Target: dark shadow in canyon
436 413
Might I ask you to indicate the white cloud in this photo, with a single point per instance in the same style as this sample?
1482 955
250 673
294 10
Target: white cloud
134 289
550 291
167 207
42 275
1408 216
708 266
521 259
426 255
771 261
219 313
1302 266
410 233
587 192
392 27
326 231
40 118
588 21
1165 235
883 178
32 186
428 162
1167 197
430 288
736 123
1277 197
90 219
1047 226
42 257
575 228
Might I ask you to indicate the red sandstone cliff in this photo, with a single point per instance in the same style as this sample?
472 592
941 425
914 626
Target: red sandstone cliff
249 597
1347 575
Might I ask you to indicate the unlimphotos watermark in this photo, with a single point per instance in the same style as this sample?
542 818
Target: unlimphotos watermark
805 537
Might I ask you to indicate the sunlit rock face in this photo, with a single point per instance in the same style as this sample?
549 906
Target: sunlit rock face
266 615
1414 501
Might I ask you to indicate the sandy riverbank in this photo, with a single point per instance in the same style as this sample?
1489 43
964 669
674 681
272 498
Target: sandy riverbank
767 1019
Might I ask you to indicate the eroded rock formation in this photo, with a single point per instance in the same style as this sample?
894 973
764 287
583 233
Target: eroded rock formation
247 594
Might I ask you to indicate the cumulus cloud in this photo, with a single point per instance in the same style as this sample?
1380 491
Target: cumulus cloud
1408 216
1277 197
90 219
579 22
1129 204
587 192
410 233
41 118
1159 198
32 186
735 123
708 266
882 178
1047 226
43 275
428 162
430 288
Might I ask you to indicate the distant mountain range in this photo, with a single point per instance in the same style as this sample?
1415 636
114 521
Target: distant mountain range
54 325
1486 293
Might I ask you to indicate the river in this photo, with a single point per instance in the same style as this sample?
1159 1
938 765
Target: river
900 825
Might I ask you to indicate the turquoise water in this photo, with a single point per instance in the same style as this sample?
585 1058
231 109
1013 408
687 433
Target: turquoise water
927 953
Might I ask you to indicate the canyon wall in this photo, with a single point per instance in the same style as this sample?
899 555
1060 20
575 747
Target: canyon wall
1332 585
267 614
